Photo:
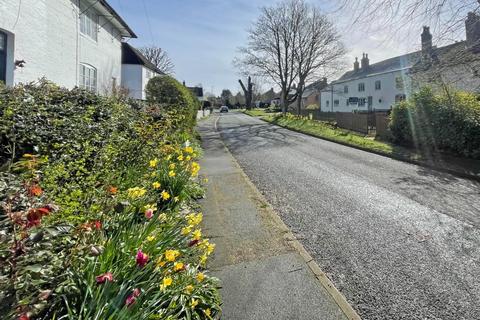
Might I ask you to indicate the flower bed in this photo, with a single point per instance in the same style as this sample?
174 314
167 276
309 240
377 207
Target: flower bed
96 217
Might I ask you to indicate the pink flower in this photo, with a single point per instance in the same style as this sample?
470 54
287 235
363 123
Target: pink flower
149 214
104 278
142 259
193 243
24 317
132 297
98 224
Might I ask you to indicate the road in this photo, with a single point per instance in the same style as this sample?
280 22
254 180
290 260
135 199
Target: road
398 240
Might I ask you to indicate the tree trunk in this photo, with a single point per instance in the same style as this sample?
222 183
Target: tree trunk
299 101
284 101
248 91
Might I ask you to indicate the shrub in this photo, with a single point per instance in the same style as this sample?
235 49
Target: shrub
89 182
447 122
168 94
312 107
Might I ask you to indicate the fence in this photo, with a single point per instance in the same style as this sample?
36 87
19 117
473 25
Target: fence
375 123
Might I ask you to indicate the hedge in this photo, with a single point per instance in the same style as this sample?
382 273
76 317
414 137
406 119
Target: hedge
96 210
447 122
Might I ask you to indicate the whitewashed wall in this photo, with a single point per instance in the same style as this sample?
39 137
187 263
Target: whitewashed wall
47 37
382 99
135 78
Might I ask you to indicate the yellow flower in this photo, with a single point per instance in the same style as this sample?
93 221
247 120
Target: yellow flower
188 149
188 158
208 312
171 166
200 277
195 168
210 248
168 157
165 195
189 289
171 174
153 207
180 158
161 263
165 283
150 238
203 259
177 266
197 234
205 180
186 230
171 255
156 185
176 199
194 219
153 163
136 192
194 303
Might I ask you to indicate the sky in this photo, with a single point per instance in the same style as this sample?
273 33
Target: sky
202 36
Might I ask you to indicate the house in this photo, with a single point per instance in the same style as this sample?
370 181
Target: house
378 86
137 70
311 93
72 43
197 92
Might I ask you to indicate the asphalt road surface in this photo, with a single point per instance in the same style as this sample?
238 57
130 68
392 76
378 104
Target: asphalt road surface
398 240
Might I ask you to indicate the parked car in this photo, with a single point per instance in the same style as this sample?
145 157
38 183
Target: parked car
223 109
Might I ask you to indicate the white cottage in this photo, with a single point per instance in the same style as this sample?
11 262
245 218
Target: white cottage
137 70
70 42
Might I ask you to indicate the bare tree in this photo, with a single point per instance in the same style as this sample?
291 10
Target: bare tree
248 92
270 48
318 47
290 42
159 58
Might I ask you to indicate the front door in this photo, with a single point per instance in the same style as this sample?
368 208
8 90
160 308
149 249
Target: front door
370 104
3 56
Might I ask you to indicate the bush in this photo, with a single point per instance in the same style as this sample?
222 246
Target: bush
439 122
312 107
168 94
94 210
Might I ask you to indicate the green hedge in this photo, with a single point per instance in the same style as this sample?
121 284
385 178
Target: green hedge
439 122
94 202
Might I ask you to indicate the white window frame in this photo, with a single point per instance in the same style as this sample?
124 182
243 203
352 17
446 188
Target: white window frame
378 85
88 77
89 23
361 87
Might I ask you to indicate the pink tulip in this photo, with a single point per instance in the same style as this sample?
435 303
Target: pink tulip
142 259
132 297
149 214
104 278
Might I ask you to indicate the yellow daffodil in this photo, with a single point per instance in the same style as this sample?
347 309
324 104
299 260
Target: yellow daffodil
177 266
203 259
197 235
171 174
150 238
171 255
156 185
161 263
194 303
169 157
188 149
210 248
195 168
189 289
188 158
180 158
176 199
136 192
165 195
171 166
153 163
208 313
166 282
200 277
186 230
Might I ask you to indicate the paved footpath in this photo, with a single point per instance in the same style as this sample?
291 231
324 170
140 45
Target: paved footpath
265 273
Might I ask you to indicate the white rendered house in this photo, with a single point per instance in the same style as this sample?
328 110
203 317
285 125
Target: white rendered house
70 42
136 72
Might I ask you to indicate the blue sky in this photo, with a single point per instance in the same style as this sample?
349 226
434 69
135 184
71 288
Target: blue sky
202 36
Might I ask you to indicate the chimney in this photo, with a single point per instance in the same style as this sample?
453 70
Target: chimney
184 83
365 62
472 28
426 41
356 65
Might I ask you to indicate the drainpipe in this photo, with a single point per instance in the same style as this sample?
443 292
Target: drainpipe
332 99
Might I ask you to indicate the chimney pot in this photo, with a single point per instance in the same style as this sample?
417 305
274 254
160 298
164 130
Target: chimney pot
365 62
356 65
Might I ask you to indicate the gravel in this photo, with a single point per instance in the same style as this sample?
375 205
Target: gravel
398 240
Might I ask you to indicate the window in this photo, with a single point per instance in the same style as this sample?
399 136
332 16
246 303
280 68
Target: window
336 103
361 87
88 77
328 103
378 85
3 57
361 102
399 83
89 23
345 89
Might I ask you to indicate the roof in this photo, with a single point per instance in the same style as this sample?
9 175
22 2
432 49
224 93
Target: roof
131 55
121 24
402 62
314 87
197 91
